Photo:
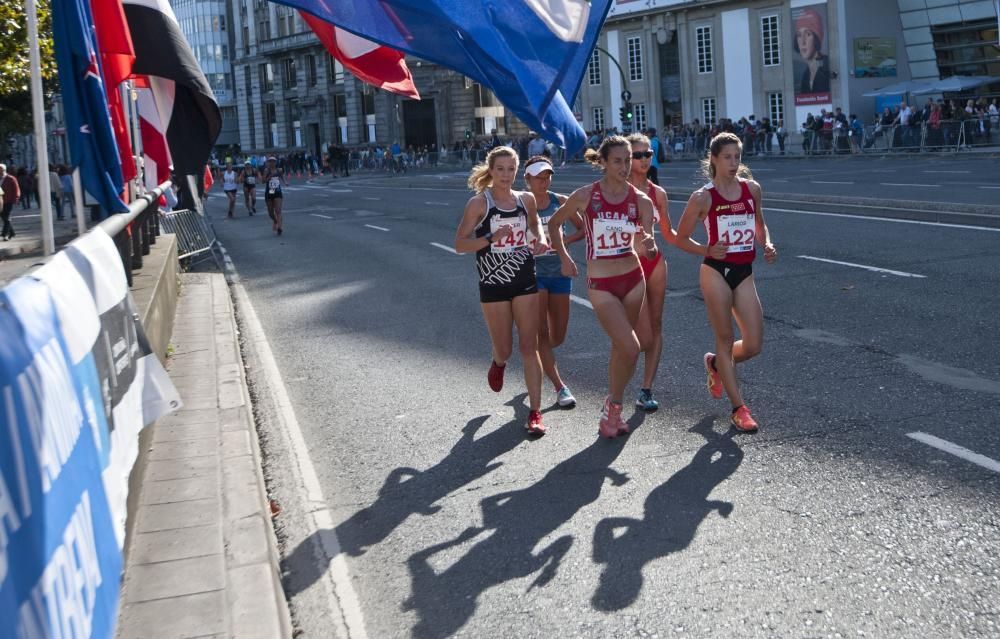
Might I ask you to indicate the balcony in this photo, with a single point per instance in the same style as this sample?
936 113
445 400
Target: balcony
302 40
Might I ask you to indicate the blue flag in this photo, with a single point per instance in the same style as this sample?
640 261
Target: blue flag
88 122
532 53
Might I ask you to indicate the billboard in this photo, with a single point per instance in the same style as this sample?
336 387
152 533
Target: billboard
811 64
874 57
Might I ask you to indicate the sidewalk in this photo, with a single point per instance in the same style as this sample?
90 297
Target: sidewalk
201 559
15 253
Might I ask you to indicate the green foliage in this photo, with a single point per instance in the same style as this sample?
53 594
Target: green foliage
15 69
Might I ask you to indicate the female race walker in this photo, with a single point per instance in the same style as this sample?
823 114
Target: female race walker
274 179
616 218
553 287
495 226
650 327
229 187
249 179
729 207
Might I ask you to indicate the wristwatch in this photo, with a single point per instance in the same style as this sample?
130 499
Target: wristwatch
489 238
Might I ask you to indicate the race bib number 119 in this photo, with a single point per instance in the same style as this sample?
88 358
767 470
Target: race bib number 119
612 237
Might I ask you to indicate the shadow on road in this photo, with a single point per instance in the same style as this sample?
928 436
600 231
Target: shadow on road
673 512
515 522
407 491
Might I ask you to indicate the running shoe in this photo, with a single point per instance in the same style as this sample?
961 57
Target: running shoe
565 398
742 421
535 425
608 426
646 402
495 376
714 380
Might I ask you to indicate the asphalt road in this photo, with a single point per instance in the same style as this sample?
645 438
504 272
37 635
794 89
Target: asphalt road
834 520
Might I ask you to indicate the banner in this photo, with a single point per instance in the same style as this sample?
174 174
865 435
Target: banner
811 65
60 562
874 57
101 328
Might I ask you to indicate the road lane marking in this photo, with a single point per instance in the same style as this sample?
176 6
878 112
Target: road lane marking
377 228
581 301
943 171
446 248
437 203
956 450
990 187
325 217
344 605
867 268
373 199
925 186
829 182
965 227
340 190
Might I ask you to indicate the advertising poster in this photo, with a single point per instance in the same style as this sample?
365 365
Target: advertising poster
811 64
874 57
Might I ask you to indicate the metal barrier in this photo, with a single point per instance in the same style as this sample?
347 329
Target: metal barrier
194 234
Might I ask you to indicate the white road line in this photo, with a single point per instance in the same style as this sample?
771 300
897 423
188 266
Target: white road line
867 268
373 199
437 203
446 248
990 187
325 217
344 605
942 171
581 301
956 450
925 186
964 227
828 182
377 228
340 190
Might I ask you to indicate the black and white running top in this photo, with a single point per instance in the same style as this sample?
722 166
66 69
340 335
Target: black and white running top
508 262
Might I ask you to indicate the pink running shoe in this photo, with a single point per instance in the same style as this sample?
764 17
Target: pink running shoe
534 425
611 422
743 421
714 381
495 376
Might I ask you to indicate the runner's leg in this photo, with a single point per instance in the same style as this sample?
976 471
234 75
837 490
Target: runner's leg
719 307
525 310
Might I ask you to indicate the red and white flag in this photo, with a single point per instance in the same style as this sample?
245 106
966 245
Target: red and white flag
117 57
154 114
371 62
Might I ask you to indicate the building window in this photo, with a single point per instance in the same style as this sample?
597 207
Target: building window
485 98
598 116
263 30
271 123
266 72
770 40
290 78
635 59
246 40
776 107
311 70
639 116
703 40
967 48
294 123
594 68
708 110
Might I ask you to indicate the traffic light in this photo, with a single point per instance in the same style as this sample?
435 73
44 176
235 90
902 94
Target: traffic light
626 115
468 134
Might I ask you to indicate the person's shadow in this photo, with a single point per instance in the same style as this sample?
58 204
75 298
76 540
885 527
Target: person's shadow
514 523
673 512
407 491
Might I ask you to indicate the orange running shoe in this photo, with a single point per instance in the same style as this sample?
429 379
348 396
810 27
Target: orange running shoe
495 376
611 414
714 381
742 421
534 425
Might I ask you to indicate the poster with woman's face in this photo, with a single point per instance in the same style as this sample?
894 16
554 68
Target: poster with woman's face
811 64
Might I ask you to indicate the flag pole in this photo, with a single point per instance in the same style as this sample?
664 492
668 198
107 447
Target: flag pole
81 224
38 116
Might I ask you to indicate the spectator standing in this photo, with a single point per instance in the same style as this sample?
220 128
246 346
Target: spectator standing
55 191
11 194
26 182
653 174
781 133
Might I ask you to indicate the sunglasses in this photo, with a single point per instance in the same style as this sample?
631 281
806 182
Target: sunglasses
641 155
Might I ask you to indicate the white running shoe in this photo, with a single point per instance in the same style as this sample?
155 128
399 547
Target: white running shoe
565 398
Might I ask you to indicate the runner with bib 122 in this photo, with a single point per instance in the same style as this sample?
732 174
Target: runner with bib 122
729 206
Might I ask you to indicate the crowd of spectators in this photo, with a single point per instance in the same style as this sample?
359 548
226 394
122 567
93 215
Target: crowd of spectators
60 188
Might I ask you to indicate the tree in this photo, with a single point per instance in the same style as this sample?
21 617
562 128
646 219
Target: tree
15 69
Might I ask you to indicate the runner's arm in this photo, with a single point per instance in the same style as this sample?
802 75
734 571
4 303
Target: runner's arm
475 210
534 224
763 234
694 212
666 225
567 210
576 220
646 240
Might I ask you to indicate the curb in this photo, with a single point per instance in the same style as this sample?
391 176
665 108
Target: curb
254 582
33 245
